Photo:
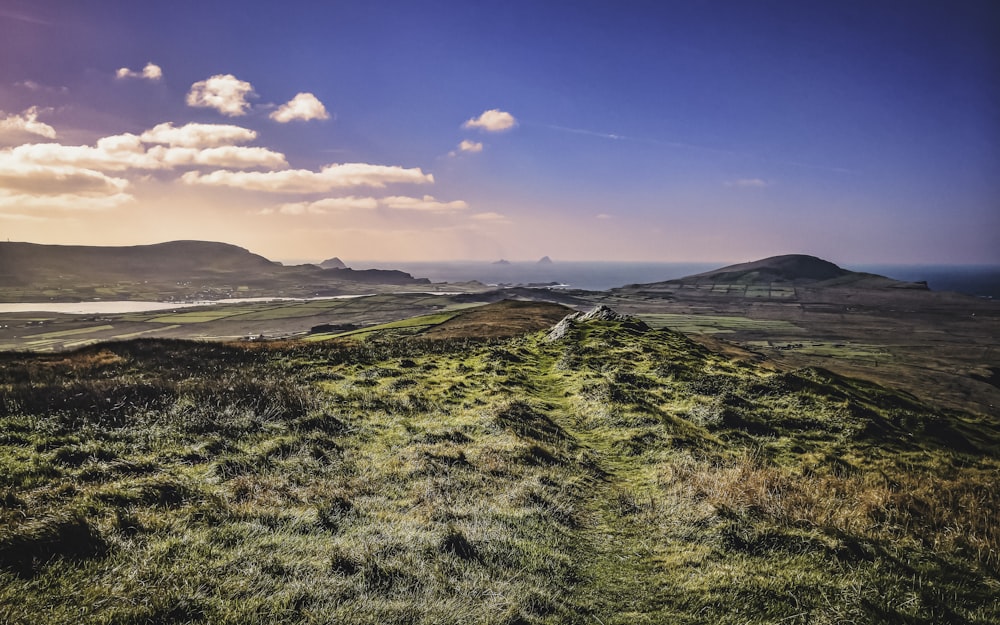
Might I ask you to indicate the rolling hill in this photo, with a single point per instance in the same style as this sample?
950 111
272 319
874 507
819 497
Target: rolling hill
793 270
177 269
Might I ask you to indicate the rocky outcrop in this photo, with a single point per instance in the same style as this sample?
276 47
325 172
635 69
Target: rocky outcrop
598 313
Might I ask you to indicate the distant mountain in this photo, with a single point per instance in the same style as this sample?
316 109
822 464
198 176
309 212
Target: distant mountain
333 263
544 260
792 270
178 269
502 262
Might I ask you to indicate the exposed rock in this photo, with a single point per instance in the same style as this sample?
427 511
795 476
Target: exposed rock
544 260
598 313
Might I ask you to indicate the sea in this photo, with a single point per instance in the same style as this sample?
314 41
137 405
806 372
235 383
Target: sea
977 280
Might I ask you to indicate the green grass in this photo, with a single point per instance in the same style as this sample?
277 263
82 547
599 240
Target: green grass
65 333
613 476
716 324
413 323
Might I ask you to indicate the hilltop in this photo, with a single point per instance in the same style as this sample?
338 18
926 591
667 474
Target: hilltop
616 473
172 270
792 270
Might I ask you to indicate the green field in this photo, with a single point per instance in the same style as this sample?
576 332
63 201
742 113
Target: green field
716 324
413 323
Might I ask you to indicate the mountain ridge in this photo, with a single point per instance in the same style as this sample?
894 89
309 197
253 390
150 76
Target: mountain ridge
184 269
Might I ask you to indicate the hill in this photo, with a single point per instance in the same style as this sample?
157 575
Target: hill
333 263
613 474
177 269
791 270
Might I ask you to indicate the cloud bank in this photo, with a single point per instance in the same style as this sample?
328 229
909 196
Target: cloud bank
334 176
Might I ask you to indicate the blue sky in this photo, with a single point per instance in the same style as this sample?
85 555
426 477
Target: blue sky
674 131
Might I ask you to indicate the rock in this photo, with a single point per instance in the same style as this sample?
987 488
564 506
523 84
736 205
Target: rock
598 313
544 260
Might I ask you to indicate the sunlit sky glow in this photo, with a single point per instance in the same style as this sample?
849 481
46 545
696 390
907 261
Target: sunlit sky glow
859 131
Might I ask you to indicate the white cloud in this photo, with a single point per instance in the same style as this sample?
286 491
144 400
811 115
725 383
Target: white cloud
223 92
397 202
303 107
497 217
326 205
426 203
114 153
127 152
197 135
150 72
602 216
493 120
27 186
470 146
748 183
27 122
223 156
335 176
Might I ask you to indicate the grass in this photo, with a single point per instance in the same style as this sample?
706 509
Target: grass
64 333
716 324
413 323
613 476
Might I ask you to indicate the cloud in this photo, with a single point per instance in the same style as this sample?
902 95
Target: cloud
27 122
470 146
495 217
127 152
426 203
397 202
303 107
31 178
324 206
602 216
64 201
493 120
335 176
748 183
27 186
223 156
197 135
222 92
150 72
22 17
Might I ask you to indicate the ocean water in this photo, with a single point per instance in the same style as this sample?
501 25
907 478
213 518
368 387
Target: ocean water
592 276
978 280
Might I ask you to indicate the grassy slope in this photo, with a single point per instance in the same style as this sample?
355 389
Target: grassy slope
609 477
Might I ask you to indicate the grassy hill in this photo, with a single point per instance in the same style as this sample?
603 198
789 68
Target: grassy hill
790 270
615 475
178 270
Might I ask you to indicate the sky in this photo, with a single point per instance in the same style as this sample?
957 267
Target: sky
672 130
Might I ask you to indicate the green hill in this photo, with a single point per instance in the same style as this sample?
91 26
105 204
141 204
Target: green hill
790 270
178 269
608 473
